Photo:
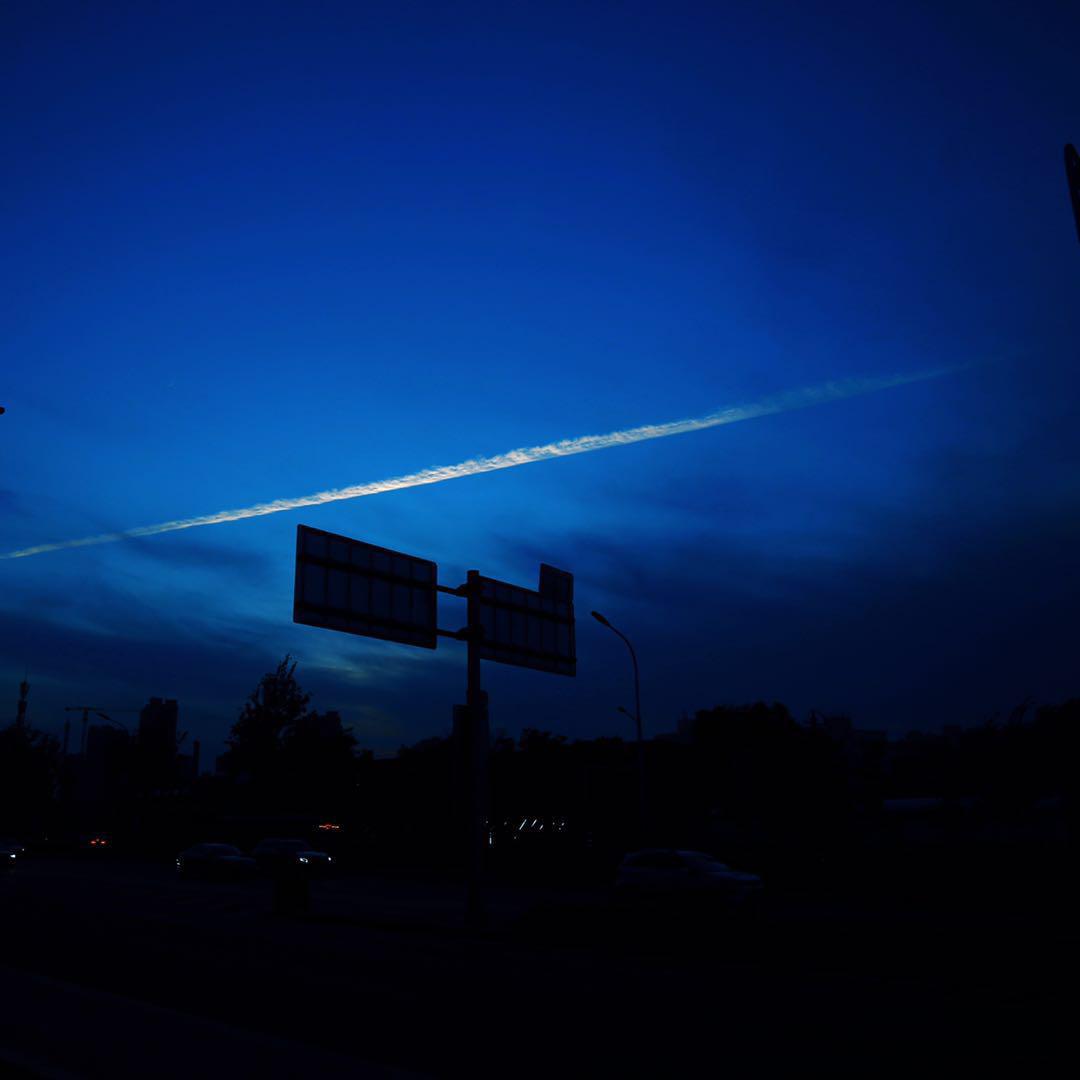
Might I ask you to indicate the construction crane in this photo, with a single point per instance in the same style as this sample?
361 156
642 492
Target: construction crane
86 710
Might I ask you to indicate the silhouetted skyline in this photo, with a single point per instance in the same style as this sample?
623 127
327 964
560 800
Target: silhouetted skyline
269 251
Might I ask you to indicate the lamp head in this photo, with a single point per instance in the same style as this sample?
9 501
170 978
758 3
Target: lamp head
600 618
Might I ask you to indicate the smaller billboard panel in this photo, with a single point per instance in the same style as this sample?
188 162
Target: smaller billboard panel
357 588
530 628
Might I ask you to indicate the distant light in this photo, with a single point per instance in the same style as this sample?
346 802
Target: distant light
303 858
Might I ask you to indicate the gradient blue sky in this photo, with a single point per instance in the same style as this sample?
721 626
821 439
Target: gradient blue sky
254 251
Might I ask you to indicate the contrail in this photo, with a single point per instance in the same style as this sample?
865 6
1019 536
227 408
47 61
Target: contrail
793 399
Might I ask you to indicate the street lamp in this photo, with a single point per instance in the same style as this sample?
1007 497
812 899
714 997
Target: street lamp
636 718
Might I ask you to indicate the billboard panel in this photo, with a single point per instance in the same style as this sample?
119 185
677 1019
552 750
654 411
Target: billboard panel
533 629
358 588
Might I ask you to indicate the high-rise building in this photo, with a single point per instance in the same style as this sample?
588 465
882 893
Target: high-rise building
157 741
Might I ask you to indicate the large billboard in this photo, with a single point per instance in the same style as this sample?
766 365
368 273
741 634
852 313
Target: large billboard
533 629
358 588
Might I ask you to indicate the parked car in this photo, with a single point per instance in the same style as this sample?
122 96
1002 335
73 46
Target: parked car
214 861
668 874
276 853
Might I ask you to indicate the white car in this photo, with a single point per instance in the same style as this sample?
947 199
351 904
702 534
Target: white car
671 874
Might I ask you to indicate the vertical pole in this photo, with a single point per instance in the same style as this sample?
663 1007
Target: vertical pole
473 691
475 751
642 808
642 817
20 716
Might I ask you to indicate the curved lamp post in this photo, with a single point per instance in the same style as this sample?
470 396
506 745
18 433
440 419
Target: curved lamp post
637 722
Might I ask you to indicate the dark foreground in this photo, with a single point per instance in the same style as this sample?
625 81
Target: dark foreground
118 969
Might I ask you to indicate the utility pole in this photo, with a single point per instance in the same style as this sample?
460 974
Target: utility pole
475 752
642 816
20 715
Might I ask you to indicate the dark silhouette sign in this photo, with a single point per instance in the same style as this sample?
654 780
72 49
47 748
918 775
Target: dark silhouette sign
533 629
347 585
358 588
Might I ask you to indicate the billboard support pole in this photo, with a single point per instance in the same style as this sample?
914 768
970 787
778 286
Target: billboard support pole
354 587
475 750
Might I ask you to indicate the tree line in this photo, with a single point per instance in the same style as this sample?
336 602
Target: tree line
746 781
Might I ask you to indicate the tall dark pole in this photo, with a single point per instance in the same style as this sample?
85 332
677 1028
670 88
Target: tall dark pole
475 755
637 723
24 690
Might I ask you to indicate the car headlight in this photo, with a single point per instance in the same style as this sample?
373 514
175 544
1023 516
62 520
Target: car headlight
302 858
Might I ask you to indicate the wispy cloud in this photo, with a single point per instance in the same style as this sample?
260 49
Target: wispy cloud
794 399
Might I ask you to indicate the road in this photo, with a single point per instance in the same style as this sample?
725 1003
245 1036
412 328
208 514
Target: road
119 969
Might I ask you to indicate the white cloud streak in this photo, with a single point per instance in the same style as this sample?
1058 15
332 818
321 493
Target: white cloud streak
584 444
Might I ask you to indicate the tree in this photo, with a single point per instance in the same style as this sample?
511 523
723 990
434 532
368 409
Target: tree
255 742
319 760
759 770
535 741
288 754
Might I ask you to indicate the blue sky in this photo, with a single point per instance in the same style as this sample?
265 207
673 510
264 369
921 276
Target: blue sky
255 251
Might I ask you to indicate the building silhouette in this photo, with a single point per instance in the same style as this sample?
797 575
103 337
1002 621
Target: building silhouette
157 743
